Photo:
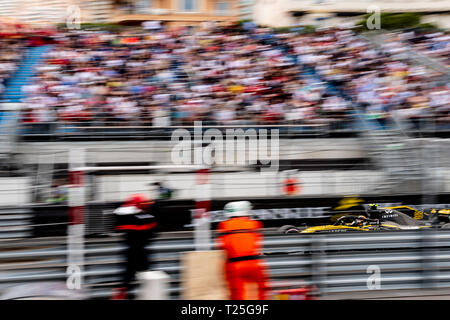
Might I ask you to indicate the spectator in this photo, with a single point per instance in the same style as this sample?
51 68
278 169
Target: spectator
223 76
164 192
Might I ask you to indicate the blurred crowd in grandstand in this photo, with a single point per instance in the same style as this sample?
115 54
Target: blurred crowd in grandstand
10 57
229 76
434 44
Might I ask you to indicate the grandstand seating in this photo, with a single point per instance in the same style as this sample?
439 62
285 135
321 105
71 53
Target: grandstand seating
24 74
159 81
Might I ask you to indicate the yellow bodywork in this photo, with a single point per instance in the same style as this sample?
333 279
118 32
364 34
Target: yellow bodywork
330 227
418 215
441 211
333 228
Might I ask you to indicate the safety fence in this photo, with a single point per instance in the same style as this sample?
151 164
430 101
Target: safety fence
112 130
119 130
345 263
16 223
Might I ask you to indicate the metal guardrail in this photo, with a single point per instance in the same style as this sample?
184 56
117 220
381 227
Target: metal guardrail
15 223
54 131
335 263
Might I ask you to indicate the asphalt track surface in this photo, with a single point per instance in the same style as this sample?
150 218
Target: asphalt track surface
425 294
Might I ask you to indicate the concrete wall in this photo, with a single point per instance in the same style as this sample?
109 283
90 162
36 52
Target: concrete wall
256 184
160 151
15 191
248 184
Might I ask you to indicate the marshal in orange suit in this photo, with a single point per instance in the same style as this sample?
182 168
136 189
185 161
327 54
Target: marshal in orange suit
240 238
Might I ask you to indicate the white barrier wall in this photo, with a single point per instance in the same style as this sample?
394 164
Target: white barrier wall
240 184
15 191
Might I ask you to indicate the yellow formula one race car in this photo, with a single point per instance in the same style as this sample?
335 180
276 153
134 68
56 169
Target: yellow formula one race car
374 220
408 210
442 214
430 214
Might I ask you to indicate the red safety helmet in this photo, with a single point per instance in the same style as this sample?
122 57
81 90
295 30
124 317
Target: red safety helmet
139 200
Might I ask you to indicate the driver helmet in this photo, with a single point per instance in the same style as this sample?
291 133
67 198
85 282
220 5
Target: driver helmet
358 221
238 209
362 218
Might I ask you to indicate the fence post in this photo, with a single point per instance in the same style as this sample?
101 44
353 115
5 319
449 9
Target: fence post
202 216
427 251
154 285
77 220
318 264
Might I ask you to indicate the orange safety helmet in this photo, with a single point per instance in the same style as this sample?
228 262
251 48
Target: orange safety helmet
139 200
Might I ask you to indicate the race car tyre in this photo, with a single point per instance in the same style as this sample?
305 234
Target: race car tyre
288 229
446 226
